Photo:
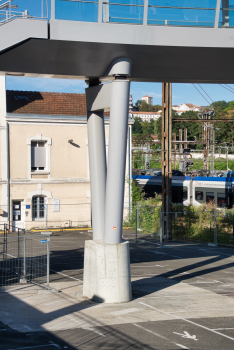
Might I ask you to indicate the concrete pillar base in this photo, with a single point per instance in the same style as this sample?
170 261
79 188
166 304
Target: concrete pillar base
107 276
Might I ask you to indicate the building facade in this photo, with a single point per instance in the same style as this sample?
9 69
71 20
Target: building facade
146 116
148 99
44 159
185 107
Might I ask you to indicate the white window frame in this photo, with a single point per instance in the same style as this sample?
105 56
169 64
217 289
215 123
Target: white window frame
38 208
48 143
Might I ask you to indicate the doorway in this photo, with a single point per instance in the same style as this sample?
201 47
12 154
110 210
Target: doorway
17 220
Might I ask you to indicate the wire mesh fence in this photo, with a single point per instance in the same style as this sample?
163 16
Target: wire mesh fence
214 226
24 258
11 9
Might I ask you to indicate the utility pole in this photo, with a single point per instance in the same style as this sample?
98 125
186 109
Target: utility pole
212 148
166 160
181 167
174 139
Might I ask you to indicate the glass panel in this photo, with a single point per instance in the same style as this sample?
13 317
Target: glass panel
34 207
177 194
185 193
198 195
209 197
85 11
182 12
41 207
226 17
222 201
124 11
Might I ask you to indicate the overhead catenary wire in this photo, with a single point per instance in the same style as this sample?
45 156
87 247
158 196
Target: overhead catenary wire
201 93
206 93
226 88
229 86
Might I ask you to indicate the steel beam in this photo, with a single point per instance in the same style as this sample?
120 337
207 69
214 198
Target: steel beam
166 159
203 120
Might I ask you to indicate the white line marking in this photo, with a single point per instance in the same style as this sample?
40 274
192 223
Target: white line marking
205 282
153 251
187 335
91 329
63 274
56 345
149 331
178 296
183 347
159 335
122 312
189 321
38 346
221 329
141 267
230 308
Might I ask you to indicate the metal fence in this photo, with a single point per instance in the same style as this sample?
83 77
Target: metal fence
11 9
24 258
211 226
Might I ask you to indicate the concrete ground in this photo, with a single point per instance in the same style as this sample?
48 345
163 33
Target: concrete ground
183 298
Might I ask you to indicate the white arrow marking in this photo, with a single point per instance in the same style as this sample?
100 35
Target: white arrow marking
187 335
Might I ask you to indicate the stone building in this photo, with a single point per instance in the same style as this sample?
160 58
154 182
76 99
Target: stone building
44 159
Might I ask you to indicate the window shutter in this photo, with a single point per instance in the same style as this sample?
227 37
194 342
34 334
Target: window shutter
40 156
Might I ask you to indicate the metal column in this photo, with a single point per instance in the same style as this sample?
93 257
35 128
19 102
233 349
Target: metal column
174 139
166 159
97 169
119 110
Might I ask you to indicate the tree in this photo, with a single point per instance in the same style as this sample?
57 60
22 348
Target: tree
145 107
137 128
220 105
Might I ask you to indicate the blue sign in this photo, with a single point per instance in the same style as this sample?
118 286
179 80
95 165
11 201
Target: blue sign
44 241
27 206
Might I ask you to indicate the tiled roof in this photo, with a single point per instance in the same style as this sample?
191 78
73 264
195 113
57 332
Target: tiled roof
47 103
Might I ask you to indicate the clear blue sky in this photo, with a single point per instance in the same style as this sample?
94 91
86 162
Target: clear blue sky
180 92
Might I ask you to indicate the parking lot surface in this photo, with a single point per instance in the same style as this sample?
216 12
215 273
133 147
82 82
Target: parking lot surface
183 298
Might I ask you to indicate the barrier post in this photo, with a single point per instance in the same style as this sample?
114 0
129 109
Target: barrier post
48 263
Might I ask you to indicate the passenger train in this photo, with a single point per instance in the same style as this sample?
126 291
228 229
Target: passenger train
195 191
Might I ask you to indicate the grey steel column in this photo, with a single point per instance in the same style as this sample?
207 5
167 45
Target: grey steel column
119 110
97 164
97 168
166 159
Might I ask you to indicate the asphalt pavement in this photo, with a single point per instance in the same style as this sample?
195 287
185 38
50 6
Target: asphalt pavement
183 298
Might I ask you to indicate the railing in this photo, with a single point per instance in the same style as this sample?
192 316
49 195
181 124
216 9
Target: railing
12 9
181 13
189 13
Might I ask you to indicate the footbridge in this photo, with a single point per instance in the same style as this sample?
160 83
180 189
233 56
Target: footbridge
176 41
110 43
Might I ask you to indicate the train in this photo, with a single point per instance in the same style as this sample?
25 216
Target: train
189 190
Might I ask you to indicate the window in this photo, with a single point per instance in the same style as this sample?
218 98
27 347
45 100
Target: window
199 195
185 193
38 208
222 201
38 155
39 152
209 197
